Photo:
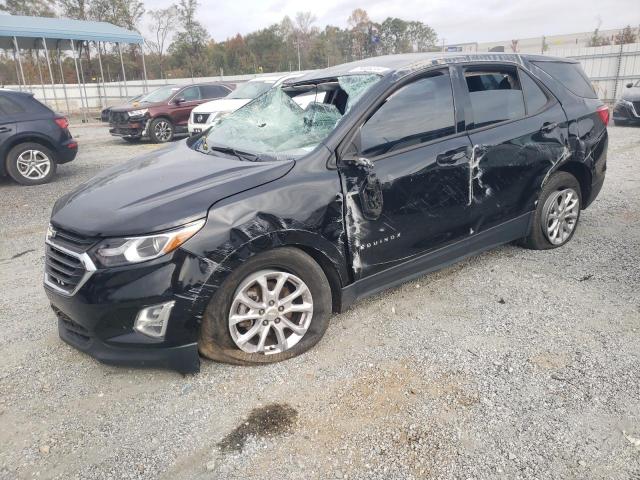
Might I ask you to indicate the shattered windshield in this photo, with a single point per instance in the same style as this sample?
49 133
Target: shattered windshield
277 125
250 90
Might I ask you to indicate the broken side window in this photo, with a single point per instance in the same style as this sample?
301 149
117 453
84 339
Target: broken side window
355 86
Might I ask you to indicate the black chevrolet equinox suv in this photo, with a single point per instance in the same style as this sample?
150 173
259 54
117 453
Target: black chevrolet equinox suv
240 242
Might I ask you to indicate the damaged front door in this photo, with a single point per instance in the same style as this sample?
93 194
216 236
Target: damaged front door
405 177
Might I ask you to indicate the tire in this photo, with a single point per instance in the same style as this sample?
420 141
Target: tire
161 130
132 139
31 163
217 333
541 235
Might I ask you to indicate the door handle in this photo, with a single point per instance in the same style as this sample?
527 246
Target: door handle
548 127
449 158
4 129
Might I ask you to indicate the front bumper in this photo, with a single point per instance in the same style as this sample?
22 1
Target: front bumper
196 128
132 129
182 358
98 318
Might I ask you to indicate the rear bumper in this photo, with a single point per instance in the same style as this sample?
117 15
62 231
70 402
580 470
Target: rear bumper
67 151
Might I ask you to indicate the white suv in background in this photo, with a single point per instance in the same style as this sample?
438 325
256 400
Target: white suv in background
204 115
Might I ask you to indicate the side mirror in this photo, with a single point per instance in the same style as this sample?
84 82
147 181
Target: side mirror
360 162
179 100
629 85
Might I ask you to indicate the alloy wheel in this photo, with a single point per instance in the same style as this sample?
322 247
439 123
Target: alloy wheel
270 313
560 216
33 164
162 131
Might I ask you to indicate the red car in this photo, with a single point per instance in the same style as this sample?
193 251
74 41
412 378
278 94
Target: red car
163 113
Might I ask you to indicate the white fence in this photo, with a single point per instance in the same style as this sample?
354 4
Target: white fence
609 68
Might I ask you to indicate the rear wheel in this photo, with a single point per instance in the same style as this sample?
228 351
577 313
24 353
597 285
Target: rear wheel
31 164
273 307
557 213
161 130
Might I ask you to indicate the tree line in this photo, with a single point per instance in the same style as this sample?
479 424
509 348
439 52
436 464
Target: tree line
178 45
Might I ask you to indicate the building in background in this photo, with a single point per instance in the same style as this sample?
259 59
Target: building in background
533 45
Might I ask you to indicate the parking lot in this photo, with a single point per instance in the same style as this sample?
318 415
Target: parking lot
512 364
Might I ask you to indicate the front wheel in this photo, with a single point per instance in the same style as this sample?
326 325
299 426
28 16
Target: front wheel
273 307
31 164
161 130
557 213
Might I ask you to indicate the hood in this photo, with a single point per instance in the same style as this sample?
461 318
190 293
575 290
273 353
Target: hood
127 107
631 94
222 105
157 191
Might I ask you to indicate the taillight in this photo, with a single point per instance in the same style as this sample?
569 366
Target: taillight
62 122
603 113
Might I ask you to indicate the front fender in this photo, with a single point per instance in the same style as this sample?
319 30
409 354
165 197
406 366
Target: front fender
231 257
304 211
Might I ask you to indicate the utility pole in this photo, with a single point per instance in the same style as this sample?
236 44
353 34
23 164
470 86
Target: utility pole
297 44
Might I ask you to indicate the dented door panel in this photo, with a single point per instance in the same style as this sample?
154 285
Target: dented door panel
510 163
424 204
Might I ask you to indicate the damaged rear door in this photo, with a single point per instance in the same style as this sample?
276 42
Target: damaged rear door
405 176
518 131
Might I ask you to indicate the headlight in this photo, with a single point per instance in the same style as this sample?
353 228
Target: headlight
138 113
123 251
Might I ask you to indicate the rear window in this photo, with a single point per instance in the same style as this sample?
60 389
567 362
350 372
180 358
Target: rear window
35 105
571 76
213 91
9 106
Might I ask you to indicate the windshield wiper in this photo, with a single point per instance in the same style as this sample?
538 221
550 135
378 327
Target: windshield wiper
252 157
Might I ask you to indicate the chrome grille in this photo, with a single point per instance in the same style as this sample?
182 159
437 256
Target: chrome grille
200 117
66 270
118 117
71 240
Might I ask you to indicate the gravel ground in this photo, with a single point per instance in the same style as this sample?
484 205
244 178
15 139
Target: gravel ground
512 364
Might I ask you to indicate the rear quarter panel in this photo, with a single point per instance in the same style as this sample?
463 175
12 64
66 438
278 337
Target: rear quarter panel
588 137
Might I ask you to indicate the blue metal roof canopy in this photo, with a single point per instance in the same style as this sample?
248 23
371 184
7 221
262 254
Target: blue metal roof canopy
20 32
31 29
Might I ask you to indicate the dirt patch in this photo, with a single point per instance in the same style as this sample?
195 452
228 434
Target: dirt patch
268 421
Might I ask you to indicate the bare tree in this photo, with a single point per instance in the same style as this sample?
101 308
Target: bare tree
35 8
303 31
626 35
164 24
78 9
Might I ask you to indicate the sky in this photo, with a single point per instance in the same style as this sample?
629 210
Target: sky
455 21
